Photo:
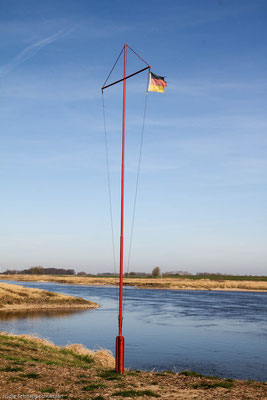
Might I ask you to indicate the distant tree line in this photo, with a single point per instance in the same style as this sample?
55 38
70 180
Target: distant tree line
155 273
132 273
41 271
107 274
210 273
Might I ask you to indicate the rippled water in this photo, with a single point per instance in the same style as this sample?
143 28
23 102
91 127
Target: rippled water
213 332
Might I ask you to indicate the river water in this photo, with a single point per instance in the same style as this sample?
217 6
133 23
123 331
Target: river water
212 332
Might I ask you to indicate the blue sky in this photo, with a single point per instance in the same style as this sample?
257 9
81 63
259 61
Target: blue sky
202 193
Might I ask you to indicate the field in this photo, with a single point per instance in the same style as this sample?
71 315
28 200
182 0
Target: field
175 283
35 368
15 297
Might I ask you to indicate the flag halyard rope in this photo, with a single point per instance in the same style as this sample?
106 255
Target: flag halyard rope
136 191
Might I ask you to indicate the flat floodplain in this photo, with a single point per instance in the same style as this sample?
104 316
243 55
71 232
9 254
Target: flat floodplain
187 282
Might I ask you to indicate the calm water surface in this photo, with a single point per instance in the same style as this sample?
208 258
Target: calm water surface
213 332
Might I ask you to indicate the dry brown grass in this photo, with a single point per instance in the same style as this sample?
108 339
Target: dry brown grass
149 283
204 284
31 367
14 297
102 357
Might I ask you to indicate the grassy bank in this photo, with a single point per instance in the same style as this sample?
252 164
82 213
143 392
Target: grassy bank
35 367
173 283
15 297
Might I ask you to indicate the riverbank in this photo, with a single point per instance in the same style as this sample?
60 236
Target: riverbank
16 297
34 368
148 283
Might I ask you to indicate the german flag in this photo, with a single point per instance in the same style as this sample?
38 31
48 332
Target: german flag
156 83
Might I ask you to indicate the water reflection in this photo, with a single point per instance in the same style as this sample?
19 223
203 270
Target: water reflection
36 314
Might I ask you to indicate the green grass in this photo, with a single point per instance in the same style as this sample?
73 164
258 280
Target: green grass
110 375
48 390
192 373
199 375
120 385
11 369
16 379
136 393
79 357
207 385
24 360
49 355
132 373
10 344
98 398
4 349
13 358
21 362
82 381
94 386
32 375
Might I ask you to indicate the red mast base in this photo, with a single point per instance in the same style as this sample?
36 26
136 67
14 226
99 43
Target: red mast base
120 354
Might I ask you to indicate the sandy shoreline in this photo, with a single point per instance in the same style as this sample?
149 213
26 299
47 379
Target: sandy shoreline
149 283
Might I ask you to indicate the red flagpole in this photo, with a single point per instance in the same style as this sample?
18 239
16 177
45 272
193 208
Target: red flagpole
120 338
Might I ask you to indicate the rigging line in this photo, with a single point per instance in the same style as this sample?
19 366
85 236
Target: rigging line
136 186
109 192
113 68
138 56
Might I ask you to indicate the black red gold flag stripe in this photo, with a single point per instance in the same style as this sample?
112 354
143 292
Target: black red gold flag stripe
156 83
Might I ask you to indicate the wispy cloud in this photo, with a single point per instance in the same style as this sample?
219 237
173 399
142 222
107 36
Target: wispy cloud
29 52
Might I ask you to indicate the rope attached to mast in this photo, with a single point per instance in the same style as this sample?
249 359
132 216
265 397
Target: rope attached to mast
136 188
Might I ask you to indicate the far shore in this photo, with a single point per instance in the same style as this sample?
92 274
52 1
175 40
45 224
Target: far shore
19 298
148 283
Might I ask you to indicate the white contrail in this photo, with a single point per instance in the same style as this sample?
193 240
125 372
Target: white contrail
28 52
